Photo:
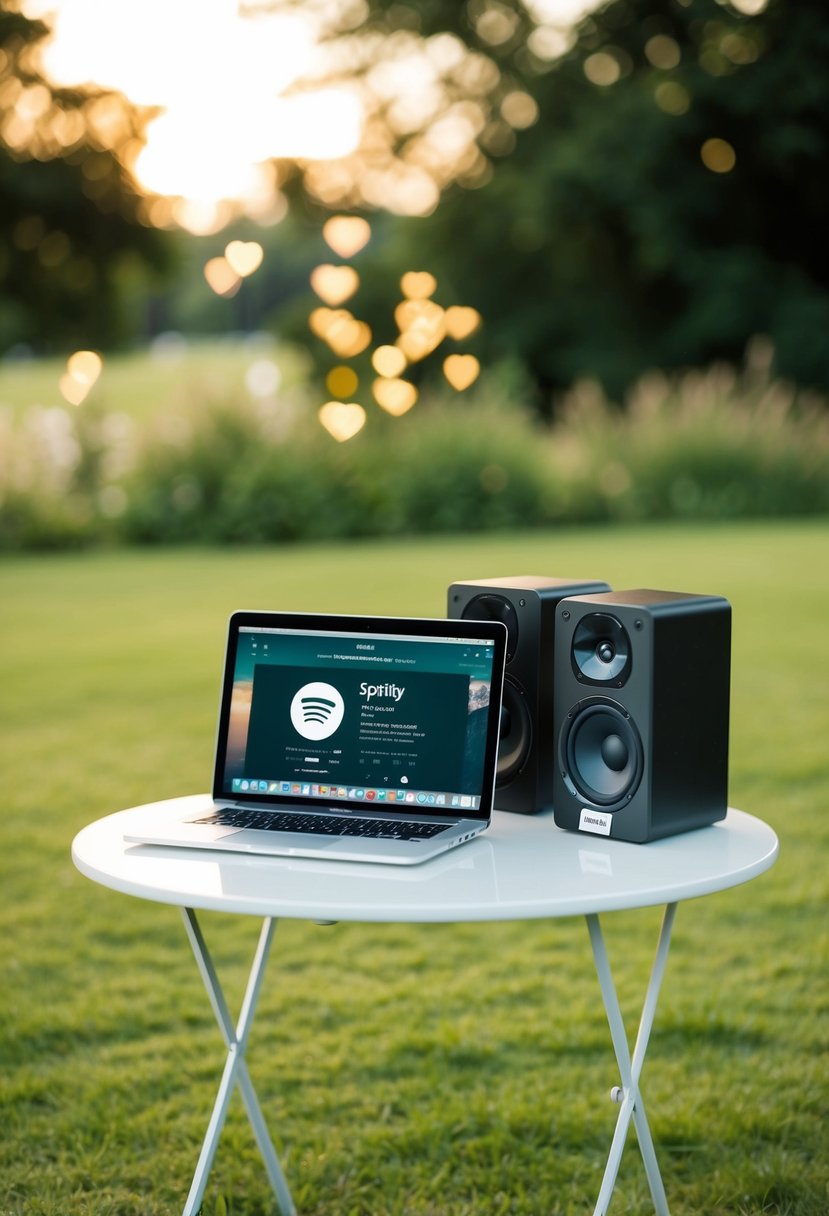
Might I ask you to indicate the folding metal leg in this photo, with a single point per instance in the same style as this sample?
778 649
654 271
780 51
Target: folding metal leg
236 1069
630 1069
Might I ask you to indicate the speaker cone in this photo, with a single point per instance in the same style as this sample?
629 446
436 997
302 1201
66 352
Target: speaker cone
516 733
495 608
601 649
601 753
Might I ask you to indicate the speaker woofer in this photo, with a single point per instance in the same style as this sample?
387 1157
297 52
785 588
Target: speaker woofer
516 735
601 649
601 753
495 608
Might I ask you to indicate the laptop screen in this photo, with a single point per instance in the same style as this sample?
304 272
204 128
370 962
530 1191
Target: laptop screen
381 713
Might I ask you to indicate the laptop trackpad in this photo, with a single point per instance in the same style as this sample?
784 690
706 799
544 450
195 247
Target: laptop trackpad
212 831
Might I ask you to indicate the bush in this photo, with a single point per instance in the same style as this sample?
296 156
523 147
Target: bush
713 444
703 445
233 479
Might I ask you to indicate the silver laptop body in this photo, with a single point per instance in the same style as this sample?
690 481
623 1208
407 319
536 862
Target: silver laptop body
370 739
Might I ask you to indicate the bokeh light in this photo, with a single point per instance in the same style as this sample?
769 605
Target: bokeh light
418 284
422 325
342 382
221 277
85 366
343 420
388 361
672 97
346 234
663 52
718 155
82 371
602 69
461 371
461 321
345 334
396 397
244 257
334 284
263 378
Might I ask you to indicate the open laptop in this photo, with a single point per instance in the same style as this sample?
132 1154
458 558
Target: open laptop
351 738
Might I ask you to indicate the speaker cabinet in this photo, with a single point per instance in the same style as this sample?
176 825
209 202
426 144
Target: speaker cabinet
641 713
527 606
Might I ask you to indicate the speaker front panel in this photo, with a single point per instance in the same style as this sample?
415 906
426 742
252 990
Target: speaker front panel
641 713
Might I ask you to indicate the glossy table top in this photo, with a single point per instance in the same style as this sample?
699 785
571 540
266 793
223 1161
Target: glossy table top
522 867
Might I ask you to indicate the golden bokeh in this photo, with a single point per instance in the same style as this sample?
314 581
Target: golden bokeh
395 396
344 333
85 366
82 370
334 284
347 336
520 110
342 419
718 155
221 277
422 325
418 284
244 257
672 97
388 361
461 371
342 382
602 69
72 390
461 321
663 52
346 234
321 319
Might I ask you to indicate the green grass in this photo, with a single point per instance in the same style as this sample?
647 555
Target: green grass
142 383
409 1071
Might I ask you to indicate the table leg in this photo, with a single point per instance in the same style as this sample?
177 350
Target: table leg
628 1094
236 1069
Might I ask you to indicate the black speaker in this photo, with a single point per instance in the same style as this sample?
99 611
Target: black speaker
641 713
527 606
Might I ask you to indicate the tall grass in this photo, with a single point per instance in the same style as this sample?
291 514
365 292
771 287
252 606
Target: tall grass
406 1070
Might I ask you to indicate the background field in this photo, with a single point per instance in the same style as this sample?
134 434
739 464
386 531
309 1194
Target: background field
414 1071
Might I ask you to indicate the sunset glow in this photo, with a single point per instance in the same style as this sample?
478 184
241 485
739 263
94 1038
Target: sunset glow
219 80
236 96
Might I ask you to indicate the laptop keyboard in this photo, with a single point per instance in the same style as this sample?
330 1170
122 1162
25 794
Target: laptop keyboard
323 825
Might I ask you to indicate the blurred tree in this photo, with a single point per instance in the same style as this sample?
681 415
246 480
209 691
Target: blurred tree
69 218
669 203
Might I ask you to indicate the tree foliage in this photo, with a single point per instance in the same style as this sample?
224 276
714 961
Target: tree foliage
615 237
69 223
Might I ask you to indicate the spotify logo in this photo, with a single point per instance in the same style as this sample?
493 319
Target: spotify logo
317 710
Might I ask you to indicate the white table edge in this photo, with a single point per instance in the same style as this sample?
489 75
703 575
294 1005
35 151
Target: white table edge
129 880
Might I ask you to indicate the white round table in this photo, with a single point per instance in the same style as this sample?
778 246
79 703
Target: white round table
522 867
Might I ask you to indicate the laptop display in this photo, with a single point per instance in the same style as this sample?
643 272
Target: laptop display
362 718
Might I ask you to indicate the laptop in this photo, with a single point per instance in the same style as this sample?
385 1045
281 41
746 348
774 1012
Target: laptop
370 739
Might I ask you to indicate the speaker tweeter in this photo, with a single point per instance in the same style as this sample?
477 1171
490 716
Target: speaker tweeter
601 650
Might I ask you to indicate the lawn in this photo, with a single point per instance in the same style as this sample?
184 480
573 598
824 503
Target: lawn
405 1071
172 372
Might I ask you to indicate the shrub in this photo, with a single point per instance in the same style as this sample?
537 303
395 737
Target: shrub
703 445
711 444
232 479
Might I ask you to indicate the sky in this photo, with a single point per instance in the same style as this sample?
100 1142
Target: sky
222 83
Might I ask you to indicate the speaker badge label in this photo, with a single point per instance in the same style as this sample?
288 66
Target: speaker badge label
595 821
